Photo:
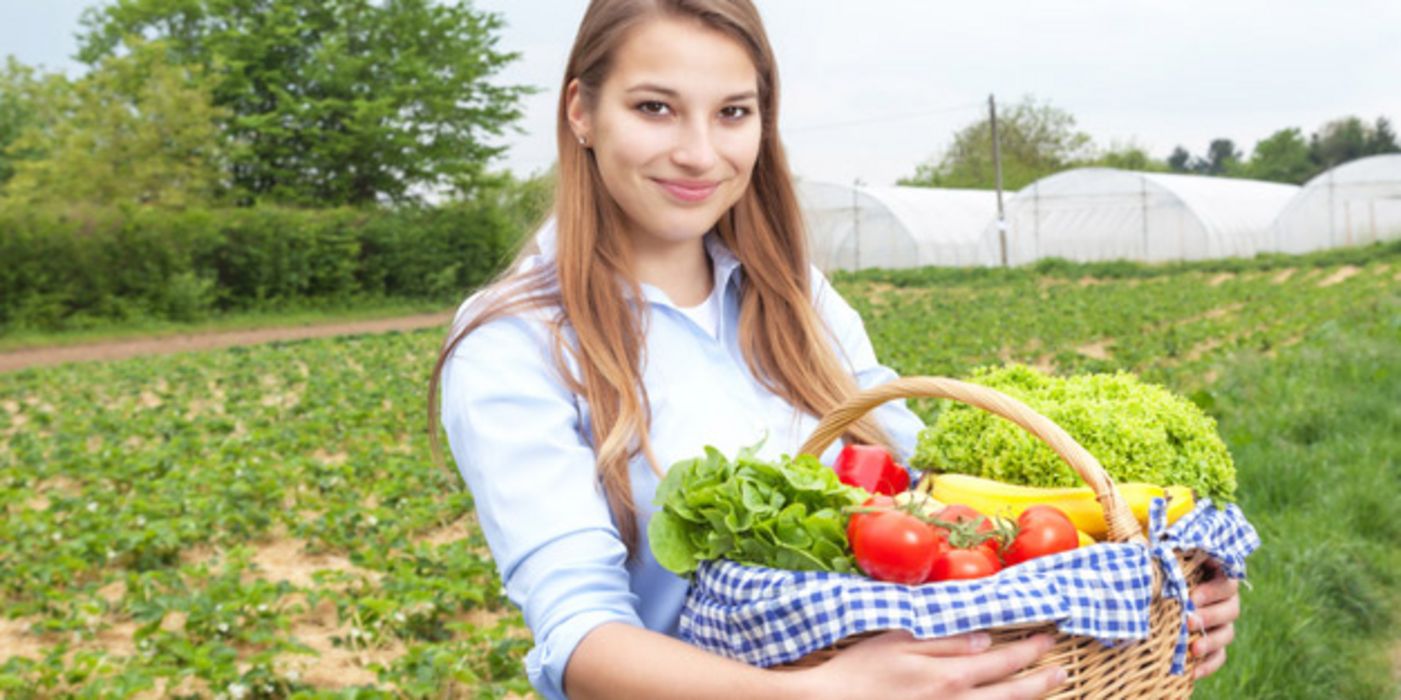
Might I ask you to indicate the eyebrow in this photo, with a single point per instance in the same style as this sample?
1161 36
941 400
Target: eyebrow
652 87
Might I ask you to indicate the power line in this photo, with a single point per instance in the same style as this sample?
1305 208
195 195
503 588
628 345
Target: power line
884 118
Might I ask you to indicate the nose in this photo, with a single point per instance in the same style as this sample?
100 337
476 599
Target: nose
695 149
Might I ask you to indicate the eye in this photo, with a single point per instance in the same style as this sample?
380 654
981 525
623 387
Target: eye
653 108
735 112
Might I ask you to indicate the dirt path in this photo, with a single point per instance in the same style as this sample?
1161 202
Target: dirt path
121 349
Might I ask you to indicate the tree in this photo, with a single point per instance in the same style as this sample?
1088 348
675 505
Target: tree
24 95
1222 158
335 101
1129 156
1036 140
1180 161
1282 157
1383 138
1338 142
134 129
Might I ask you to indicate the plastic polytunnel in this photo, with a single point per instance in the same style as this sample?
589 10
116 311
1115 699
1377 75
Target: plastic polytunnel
853 228
1353 204
1091 214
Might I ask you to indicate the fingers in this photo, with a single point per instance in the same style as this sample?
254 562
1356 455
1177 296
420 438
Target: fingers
1211 664
1004 661
1033 685
958 645
1215 590
1217 615
1214 640
961 645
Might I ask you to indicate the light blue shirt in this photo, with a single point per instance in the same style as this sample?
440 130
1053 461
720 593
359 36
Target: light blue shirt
522 443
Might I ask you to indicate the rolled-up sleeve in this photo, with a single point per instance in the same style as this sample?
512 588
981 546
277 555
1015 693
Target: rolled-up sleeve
515 433
846 325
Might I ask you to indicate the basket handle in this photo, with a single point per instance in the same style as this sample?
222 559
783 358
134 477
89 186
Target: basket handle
1123 527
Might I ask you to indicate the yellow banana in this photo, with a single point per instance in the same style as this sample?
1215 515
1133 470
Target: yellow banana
1085 539
1009 500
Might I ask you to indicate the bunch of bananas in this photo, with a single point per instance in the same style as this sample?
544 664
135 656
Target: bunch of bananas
998 499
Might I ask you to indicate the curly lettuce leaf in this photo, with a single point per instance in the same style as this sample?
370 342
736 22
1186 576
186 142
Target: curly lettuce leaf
1138 432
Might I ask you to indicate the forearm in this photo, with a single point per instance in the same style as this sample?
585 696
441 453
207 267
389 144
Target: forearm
620 661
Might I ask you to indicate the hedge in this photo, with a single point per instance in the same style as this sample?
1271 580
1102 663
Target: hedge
80 266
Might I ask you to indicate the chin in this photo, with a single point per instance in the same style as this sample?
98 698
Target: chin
684 228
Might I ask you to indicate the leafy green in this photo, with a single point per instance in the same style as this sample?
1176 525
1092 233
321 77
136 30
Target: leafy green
1138 432
786 514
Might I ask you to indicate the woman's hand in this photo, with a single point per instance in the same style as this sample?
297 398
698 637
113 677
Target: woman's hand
896 666
1218 606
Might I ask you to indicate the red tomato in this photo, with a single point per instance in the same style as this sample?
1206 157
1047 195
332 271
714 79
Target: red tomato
1041 530
877 501
871 467
893 546
958 513
960 564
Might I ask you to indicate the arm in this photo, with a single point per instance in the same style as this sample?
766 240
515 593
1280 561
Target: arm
617 662
515 435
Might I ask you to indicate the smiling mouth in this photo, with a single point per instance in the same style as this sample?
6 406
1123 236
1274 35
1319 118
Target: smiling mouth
688 192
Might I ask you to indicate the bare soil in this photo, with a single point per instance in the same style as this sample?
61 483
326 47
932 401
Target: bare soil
1341 274
122 349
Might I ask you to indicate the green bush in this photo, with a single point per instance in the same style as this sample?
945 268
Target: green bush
75 267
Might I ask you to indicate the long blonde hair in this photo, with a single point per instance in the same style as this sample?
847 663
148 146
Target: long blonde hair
784 342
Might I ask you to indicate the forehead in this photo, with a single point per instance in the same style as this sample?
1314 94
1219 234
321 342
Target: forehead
684 56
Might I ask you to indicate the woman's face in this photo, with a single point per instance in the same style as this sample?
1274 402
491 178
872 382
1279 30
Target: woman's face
675 129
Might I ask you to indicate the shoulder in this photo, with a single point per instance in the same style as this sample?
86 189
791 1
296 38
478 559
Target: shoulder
502 338
520 306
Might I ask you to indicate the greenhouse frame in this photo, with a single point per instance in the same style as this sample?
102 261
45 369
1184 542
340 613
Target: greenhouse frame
1355 203
856 227
1095 214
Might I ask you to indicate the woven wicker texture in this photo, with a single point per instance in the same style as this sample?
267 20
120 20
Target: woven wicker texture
1137 670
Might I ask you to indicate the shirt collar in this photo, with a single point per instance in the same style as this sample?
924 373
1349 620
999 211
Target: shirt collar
722 259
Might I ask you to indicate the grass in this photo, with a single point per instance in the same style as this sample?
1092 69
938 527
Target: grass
305 314
1316 433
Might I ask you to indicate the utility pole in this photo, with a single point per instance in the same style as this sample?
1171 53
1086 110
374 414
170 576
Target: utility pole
856 219
997 169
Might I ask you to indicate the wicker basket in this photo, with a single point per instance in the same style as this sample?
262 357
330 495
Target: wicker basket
1140 669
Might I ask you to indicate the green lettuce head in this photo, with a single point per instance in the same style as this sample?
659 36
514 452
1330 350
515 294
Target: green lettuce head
1139 432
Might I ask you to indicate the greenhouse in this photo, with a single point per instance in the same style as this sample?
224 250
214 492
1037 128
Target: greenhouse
1353 204
853 228
1091 214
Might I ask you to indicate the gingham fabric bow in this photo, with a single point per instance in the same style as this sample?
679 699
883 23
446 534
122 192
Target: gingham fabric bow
766 617
1227 539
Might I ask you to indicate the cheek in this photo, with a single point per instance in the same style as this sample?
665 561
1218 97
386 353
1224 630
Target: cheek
741 148
630 143
624 156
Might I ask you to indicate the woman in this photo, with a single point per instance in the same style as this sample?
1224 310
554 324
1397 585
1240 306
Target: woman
671 306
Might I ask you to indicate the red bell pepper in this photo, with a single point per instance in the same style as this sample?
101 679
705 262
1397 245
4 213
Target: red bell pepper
872 468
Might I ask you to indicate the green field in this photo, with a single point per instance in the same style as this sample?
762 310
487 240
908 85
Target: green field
266 522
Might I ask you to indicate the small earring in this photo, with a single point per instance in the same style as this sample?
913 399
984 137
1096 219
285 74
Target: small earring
583 142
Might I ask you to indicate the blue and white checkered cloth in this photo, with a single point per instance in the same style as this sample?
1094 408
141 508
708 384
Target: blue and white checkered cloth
766 617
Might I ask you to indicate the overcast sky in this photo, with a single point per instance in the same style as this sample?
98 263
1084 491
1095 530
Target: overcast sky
872 88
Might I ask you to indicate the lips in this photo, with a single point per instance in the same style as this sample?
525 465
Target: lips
689 190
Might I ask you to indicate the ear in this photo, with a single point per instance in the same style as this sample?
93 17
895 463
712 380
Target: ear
579 121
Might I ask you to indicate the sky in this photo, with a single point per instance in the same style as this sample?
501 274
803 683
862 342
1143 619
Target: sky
871 89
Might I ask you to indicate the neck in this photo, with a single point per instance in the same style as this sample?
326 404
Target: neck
681 270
